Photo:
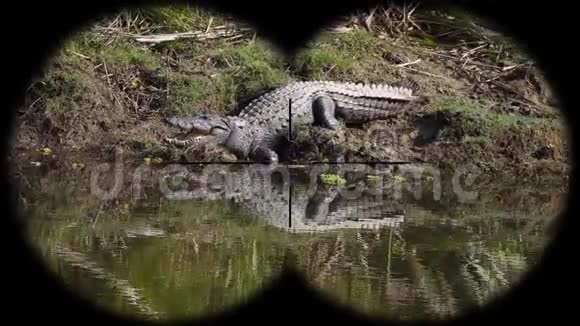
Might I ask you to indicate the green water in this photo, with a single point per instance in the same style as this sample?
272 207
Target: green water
153 257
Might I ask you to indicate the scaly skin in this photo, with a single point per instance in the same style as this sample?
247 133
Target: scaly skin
265 191
264 123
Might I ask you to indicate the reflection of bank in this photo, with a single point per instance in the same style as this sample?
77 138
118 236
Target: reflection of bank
165 258
287 202
328 211
360 224
132 296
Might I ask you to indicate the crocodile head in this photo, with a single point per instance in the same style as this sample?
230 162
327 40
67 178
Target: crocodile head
199 129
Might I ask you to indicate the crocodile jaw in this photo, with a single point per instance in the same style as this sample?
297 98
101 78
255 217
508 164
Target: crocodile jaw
198 130
195 140
195 136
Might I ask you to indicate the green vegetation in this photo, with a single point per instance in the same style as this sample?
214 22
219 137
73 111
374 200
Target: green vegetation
253 67
141 252
479 122
200 93
105 80
178 18
349 56
332 179
125 54
240 72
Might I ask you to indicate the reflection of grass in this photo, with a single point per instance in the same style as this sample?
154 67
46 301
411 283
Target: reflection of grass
209 250
216 249
332 179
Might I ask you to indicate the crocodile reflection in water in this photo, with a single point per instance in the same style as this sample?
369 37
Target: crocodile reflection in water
275 194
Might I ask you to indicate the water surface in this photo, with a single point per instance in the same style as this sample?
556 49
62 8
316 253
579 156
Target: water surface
151 253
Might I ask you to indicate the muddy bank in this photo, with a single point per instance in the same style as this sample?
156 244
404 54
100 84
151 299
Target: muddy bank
484 101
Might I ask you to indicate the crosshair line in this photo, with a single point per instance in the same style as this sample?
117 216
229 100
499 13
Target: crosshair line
352 163
220 162
290 140
290 206
292 163
290 119
247 162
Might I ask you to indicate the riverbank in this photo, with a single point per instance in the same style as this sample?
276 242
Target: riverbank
484 102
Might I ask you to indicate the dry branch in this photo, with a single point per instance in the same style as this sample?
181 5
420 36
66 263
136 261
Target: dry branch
210 33
408 63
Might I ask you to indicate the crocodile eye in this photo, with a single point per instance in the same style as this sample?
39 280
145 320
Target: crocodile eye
218 130
240 124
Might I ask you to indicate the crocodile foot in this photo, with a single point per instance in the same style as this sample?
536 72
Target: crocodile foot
264 154
323 109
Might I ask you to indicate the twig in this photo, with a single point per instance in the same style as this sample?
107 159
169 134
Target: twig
413 10
425 73
230 65
98 213
33 103
411 20
511 67
107 74
369 19
504 73
472 50
209 24
114 22
405 17
79 55
499 52
408 63
112 39
535 105
158 38
465 63
340 29
477 63
526 100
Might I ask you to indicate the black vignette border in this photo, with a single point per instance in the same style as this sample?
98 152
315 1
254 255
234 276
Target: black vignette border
33 31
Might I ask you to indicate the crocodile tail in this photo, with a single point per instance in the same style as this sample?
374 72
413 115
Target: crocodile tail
409 84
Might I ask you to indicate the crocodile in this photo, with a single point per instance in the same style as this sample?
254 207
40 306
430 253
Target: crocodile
268 120
266 191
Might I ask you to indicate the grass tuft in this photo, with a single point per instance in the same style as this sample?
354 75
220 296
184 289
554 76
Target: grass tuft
478 121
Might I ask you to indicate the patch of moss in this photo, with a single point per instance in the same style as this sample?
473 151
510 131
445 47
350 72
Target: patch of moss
200 93
322 63
347 56
120 53
123 54
83 43
427 41
356 44
478 121
253 67
332 179
65 84
180 17
482 140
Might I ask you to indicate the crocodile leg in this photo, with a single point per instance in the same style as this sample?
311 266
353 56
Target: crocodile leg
323 109
263 153
318 207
